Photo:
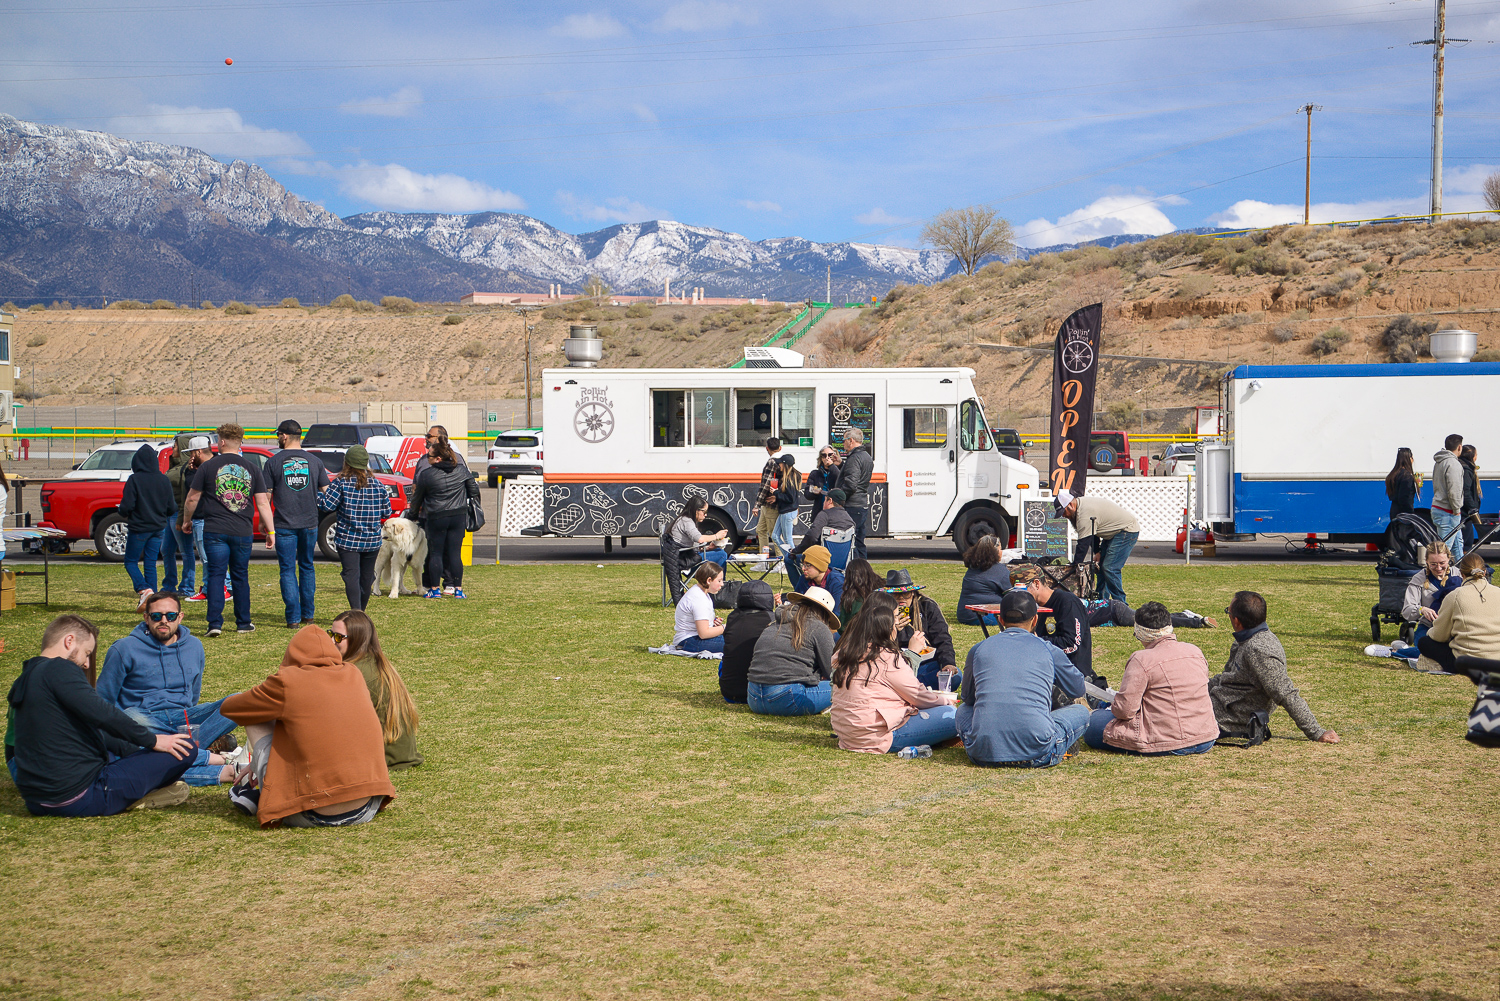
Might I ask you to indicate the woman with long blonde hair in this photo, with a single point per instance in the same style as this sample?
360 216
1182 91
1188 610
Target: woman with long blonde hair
354 634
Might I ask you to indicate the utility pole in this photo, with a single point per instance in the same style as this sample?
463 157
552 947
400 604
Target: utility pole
524 312
1308 109
1439 42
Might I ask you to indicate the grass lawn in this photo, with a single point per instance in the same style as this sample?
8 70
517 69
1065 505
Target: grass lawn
593 822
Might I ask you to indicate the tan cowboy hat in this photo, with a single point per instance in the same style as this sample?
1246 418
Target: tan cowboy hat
822 600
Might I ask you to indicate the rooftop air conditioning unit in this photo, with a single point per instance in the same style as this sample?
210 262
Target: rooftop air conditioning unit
772 358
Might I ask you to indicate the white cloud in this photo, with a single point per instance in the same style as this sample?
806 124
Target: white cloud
393 186
1111 215
1467 180
1249 213
762 207
398 105
612 210
642 112
588 26
880 217
704 15
220 131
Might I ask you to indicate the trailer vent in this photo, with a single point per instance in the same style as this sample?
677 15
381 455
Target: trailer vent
772 358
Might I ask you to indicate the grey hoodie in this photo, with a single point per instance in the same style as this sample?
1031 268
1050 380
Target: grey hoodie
1447 482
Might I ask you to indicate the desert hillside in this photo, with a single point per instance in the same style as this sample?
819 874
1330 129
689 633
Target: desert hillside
1294 294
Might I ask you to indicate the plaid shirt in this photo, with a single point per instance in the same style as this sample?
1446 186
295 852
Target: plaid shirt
361 512
771 471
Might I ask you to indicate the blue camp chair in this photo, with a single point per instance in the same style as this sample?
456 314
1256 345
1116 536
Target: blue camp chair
839 542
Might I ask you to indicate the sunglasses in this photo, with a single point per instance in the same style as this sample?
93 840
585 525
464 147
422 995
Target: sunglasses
158 616
336 636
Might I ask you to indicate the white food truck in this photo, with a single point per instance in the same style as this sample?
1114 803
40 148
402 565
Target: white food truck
626 447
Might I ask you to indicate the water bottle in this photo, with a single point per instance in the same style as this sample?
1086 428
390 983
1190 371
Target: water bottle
912 753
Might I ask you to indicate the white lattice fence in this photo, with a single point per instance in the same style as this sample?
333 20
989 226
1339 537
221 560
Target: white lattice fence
1156 501
521 506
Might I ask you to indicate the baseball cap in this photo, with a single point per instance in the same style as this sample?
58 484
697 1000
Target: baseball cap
1017 606
290 427
837 495
197 441
1064 498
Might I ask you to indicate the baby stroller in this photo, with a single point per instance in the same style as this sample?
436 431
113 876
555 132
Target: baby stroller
1406 543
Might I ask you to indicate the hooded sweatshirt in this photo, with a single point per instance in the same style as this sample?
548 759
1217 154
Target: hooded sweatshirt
64 732
142 673
1447 482
327 746
147 502
752 614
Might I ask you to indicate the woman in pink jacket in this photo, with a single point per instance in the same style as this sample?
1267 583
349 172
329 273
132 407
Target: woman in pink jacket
878 703
1163 705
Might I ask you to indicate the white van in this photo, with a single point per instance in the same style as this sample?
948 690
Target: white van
627 446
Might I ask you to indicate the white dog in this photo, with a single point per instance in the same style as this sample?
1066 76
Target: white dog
404 545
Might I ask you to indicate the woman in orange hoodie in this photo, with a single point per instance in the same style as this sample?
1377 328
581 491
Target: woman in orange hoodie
317 753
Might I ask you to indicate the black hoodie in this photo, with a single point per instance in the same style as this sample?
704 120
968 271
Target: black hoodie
147 503
752 614
64 731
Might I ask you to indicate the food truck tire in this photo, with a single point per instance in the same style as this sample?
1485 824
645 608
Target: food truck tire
978 522
717 520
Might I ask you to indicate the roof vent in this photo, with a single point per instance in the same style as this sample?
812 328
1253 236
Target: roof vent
1453 345
772 358
582 347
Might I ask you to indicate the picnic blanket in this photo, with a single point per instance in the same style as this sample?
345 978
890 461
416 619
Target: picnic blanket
672 651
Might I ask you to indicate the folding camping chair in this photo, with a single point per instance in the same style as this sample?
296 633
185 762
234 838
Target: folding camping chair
1407 540
840 543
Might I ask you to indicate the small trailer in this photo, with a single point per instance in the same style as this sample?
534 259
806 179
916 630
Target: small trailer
626 447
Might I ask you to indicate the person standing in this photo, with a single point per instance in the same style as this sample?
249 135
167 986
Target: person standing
765 499
824 478
440 496
1448 494
439 433
295 479
362 504
854 479
1468 457
147 505
230 490
1401 484
173 543
788 498
1113 528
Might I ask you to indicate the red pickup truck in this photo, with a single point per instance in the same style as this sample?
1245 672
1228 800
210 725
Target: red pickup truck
89 508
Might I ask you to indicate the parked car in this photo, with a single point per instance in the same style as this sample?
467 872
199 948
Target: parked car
1109 452
344 435
89 508
517 452
112 461
1177 460
1008 440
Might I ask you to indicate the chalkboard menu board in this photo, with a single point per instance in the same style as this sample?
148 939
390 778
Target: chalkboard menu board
851 410
1044 532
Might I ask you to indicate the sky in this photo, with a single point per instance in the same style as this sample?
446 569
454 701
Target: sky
1075 119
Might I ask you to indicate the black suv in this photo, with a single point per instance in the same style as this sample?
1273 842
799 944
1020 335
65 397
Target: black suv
1008 440
344 435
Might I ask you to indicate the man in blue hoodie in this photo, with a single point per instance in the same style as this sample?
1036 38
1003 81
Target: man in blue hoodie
155 674
147 504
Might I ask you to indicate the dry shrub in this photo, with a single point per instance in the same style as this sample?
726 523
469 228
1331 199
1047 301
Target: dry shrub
365 306
1284 332
398 304
36 341
662 325
236 308
1194 286
473 349
964 296
164 304
1185 323
345 301
452 320
1488 354
1329 341
126 304
292 357
10 307
206 304
1236 320
1030 327
847 336
290 302
355 380
638 310
1416 251
1405 338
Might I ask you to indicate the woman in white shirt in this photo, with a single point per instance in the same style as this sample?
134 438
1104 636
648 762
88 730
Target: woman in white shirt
697 627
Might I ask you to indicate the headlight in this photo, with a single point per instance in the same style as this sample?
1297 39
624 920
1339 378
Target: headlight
392 490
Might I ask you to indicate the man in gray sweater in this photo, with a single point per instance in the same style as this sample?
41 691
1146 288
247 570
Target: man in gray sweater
1254 680
858 466
1448 494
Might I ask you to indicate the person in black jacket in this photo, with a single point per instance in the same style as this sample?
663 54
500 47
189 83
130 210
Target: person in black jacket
1069 619
753 612
1401 484
1473 494
854 478
924 626
824 478
985 580
147 504
440 496
64 735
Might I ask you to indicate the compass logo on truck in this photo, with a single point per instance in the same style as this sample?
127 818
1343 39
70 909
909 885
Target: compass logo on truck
595 418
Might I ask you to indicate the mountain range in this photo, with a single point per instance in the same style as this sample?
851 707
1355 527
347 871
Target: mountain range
86 216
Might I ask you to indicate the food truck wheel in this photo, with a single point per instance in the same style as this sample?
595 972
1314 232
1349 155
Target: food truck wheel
978 522
717 520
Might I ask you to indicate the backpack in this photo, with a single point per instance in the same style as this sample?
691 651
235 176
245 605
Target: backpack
1258 733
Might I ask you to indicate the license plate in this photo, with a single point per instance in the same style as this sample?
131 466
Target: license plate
515 455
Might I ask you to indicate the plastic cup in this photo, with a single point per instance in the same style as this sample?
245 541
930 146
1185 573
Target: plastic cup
192 731
945 680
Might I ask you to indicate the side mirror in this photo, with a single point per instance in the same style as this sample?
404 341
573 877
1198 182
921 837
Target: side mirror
1156 457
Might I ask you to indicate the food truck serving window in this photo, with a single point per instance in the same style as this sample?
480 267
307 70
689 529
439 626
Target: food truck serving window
924 427
715 418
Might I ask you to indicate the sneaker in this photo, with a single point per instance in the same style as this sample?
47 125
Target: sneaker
245 797
214 632
200 596
246 628
458 592
1399 644
307 622
237 758
173 795
449 591
224 745
432 592
228 594
1377 650
141 600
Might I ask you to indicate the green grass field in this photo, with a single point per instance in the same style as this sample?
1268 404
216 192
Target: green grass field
593 822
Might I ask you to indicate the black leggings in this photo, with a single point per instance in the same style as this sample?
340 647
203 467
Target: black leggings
445 545
359 575
1438 651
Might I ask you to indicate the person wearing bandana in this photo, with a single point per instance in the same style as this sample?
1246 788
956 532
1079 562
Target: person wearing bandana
1163 706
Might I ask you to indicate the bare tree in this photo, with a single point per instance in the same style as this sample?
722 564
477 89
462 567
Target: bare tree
595 288
970 234
1492 191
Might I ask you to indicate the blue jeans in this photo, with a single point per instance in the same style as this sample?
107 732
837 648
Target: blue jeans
1068 724
781 534
1113 553
198 546
231 553
927 674
299 582
717 555
1446 523
790 700
120 783
214 726
174 543
1093 736
926 726
142 548
1411 652
693 644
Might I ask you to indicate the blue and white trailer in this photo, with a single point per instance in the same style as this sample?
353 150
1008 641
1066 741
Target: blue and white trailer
1306 448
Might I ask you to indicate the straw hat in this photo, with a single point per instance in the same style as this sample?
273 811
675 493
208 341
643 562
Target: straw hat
820 599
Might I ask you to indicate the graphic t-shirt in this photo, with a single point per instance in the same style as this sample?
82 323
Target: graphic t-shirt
295 477
229 484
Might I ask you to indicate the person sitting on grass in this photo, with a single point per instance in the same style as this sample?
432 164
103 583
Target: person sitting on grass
1163 705
1467 624
813 569
317 755
923 628
793 659
1006 717
155 675
354 637
1070 631
754 609
1114 612
684 533
696 628
1424 594
860 581
1254 680
985 580
830 516
878 705
75 755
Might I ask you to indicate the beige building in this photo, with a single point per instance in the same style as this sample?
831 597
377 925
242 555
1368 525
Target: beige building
7 370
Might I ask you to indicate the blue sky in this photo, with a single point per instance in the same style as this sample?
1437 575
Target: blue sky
831 121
